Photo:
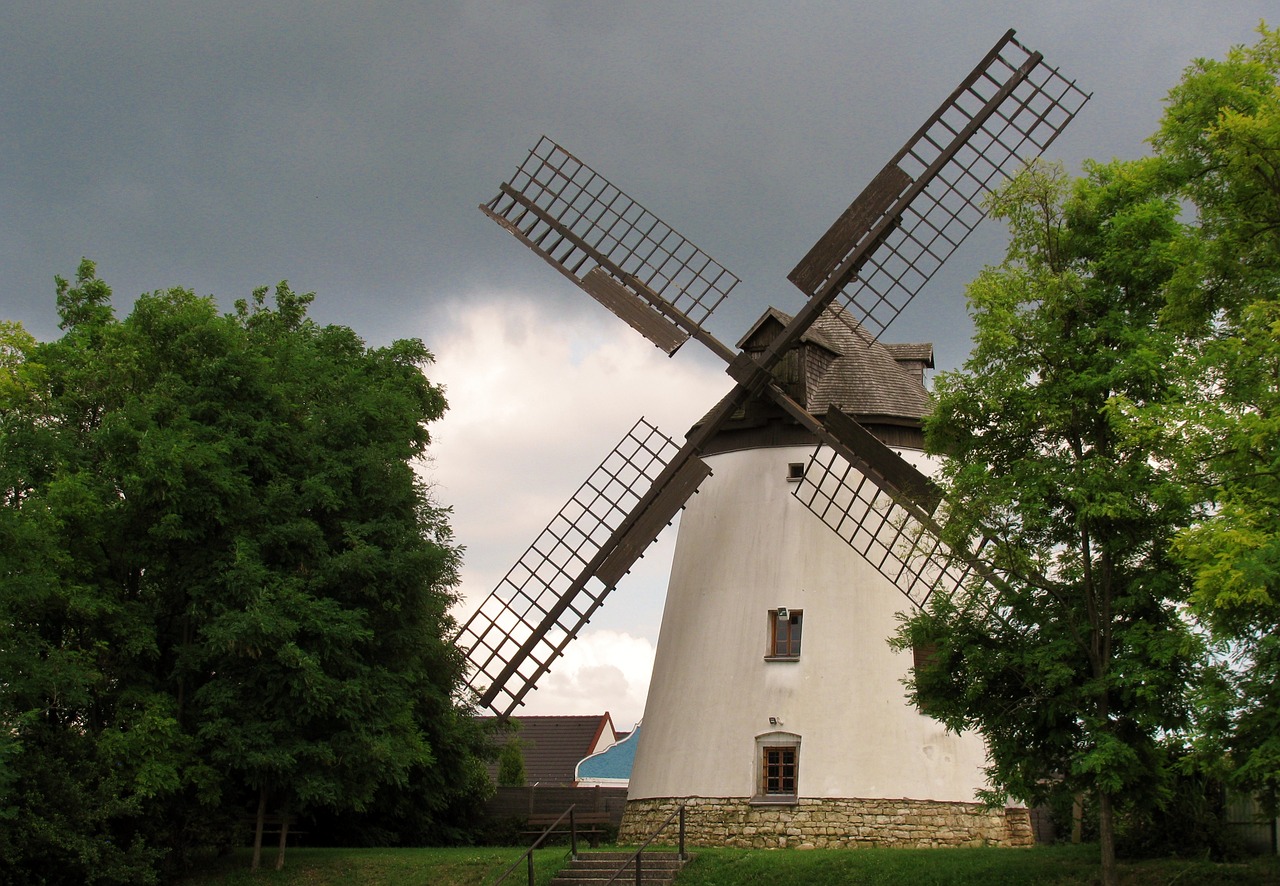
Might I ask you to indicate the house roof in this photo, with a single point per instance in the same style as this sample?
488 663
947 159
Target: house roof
552 746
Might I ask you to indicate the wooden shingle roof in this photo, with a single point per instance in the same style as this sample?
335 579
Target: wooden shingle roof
915 353
835 363
778 320
868 378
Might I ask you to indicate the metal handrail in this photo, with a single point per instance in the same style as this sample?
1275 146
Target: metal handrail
679 810
528 853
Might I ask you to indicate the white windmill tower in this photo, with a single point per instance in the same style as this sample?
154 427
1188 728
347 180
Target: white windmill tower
775 710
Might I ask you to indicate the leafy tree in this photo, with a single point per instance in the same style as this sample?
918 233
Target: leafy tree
1077 662
226 587
88 745
1219 150
16 388
511 764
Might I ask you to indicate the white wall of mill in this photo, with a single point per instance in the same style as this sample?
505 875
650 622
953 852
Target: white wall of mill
746 547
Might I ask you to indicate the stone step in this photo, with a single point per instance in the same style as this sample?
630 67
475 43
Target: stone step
656 869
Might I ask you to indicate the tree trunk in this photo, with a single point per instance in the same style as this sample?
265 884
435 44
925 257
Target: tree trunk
257 833
1077 819
1107 836
284 836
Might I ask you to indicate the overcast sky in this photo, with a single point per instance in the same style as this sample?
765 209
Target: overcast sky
227 145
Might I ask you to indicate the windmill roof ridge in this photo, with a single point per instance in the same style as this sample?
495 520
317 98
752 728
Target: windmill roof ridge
922 351
812 334
868 378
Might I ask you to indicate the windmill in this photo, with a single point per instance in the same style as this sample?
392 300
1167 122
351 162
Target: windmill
856 279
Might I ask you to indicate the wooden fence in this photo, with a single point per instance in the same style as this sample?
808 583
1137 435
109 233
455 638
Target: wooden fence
1244 817
525 802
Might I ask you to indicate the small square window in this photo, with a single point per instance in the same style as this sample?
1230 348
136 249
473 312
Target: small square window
924 655
781 766
784 633
795 472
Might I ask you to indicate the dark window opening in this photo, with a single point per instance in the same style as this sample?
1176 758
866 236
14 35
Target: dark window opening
795 471
924 655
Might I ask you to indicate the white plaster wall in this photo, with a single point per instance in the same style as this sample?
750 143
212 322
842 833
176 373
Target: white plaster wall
745 547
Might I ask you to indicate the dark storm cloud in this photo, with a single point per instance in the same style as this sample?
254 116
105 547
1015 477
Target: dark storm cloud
227 145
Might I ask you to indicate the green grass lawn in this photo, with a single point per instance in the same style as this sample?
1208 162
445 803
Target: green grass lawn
1058 865
473 866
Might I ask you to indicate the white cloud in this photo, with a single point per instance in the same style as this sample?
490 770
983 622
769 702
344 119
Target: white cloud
537 398
600 671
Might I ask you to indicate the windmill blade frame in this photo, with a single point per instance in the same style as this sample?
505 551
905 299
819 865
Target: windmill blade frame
901 541
555 587
614 249
925 202
882 506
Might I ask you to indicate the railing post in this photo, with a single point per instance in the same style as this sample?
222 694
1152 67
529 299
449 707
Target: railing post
573 835
682 855
528 855
638 855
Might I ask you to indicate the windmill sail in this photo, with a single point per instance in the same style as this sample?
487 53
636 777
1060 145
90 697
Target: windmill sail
879 254
621 254
882 251
563 578
901 541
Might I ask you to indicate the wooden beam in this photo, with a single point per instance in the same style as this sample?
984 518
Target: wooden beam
653 520
847 230
630 307
899 474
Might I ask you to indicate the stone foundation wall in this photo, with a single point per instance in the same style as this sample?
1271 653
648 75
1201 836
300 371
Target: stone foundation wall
829 823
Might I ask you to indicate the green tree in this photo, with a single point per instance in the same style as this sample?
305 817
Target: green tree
511 764
1077 662
1219 150
88 745
226 588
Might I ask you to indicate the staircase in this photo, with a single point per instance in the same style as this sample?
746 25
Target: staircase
656 869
